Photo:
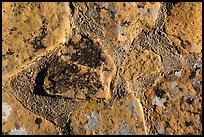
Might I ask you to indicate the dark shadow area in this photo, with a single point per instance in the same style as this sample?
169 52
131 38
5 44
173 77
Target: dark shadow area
38 89
72 8
67 130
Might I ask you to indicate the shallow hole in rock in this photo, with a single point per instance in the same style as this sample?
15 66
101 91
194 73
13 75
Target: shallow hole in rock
193 74
190 101
160 93
38 121
165 104
189 123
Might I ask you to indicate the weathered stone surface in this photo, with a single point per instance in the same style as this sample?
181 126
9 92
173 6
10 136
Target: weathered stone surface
123 21
102 65
109 118
26 87
142 64
184 27
29 29
173 104
82 69
22 121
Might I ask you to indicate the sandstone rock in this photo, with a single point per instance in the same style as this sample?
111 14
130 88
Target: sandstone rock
29 29
105 118
179 105
118 69
83 70
184 27
122 22
22 121
142 64
26 87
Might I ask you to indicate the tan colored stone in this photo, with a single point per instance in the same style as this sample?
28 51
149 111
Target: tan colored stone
123 21
81 70
29 29
182 104
123 116
52 86
185 25
142 64
22 117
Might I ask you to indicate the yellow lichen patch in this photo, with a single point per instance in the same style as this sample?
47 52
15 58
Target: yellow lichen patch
123 116
29 29
184 27
22 117
142 64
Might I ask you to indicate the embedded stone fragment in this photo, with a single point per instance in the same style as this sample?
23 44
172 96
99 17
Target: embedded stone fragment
82 69
184 27
142 64
29 29
26 87
122 21
121 117
47 85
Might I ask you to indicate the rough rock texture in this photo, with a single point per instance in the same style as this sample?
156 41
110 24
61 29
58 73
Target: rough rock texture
123 21
104 68
83 69
174 105
26 86
109 118
20 117
29 29
143 64
183 27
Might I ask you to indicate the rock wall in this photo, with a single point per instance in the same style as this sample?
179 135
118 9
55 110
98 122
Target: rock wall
102 68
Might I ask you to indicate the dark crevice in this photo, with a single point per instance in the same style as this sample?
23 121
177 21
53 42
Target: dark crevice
160 93
193 73
72 8
38 89
154 108
190 101
177 49
169 6
67 130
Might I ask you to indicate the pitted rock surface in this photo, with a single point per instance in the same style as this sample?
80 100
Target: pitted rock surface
116 68
183 27
30 29
81 70
122 22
